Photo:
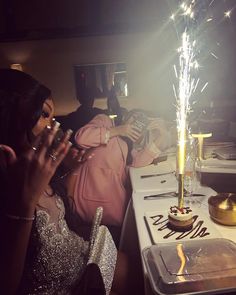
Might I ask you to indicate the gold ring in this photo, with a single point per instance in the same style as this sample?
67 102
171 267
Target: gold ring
53 157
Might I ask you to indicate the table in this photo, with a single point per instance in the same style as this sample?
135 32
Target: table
147 186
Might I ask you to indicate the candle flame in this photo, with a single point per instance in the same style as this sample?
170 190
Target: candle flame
182 258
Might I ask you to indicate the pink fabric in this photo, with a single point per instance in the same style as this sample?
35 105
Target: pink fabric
103 180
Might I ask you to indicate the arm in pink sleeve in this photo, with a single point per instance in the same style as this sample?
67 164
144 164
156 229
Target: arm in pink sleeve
145 156
94 133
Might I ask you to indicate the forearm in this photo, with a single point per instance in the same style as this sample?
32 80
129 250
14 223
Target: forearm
115 131
15 235
91 137
94 133
146 156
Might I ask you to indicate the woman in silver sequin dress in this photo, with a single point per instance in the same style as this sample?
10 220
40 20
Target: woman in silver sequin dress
39 253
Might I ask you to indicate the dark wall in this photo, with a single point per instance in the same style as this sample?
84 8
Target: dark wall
41 19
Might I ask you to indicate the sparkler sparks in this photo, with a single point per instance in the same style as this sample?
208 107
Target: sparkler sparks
203 88
185 73
187 10
186 86
228 13
213 54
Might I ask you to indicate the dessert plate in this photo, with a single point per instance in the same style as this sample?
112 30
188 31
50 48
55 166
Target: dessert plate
157 225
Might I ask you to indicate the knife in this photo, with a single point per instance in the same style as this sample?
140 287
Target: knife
169 195
157 174
159 196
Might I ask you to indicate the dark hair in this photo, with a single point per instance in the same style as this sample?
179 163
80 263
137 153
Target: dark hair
113 106
73 219
21 103
86 98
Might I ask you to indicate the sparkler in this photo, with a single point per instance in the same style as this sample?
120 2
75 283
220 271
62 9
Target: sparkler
185 88
187 83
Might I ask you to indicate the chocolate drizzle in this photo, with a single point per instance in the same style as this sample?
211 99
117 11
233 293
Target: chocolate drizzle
198 230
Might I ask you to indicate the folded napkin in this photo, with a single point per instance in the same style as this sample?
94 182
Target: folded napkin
158 184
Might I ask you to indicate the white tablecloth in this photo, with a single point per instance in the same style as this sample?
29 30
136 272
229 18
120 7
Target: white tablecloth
141 206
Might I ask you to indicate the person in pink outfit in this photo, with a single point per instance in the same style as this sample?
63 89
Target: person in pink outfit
104 180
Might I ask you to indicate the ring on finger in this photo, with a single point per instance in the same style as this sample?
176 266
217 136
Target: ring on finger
53 157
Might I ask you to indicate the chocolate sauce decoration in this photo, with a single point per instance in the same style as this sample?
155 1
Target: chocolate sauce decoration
197 230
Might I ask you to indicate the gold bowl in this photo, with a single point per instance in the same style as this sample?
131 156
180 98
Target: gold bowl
222 208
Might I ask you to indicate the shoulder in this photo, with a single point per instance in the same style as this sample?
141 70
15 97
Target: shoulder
103 118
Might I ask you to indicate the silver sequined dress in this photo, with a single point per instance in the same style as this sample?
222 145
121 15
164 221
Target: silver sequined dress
57 256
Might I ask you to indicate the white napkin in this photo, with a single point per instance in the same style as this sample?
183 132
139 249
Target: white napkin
214 165
158 184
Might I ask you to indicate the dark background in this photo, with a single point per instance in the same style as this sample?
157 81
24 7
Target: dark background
152 67
36 19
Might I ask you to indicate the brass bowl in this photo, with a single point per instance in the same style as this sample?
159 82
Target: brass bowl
222 208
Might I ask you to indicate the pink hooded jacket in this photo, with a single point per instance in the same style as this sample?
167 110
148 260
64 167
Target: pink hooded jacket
104 180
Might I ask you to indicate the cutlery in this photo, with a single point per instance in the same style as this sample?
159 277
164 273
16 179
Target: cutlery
159 196
170 195
157 174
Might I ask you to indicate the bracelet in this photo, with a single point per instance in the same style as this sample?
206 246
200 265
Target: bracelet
107 137
23 218
66 174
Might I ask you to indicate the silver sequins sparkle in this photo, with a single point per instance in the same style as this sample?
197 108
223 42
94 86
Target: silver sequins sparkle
57 256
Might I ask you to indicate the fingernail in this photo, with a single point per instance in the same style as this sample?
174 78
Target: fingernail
69 132
56 125
48 127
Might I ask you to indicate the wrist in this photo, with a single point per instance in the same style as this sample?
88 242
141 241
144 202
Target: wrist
62 170
160 144
20 217
22 209
154 148
114 131
68 173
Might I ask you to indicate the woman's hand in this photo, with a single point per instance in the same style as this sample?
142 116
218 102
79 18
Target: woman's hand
159 133
29 174
156 124
75 157
126 130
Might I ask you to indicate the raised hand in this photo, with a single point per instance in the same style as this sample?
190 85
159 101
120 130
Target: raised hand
76 157
127 130
30 173
159 133
156 123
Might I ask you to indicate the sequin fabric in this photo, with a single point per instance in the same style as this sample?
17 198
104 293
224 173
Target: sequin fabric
57 256
104 254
